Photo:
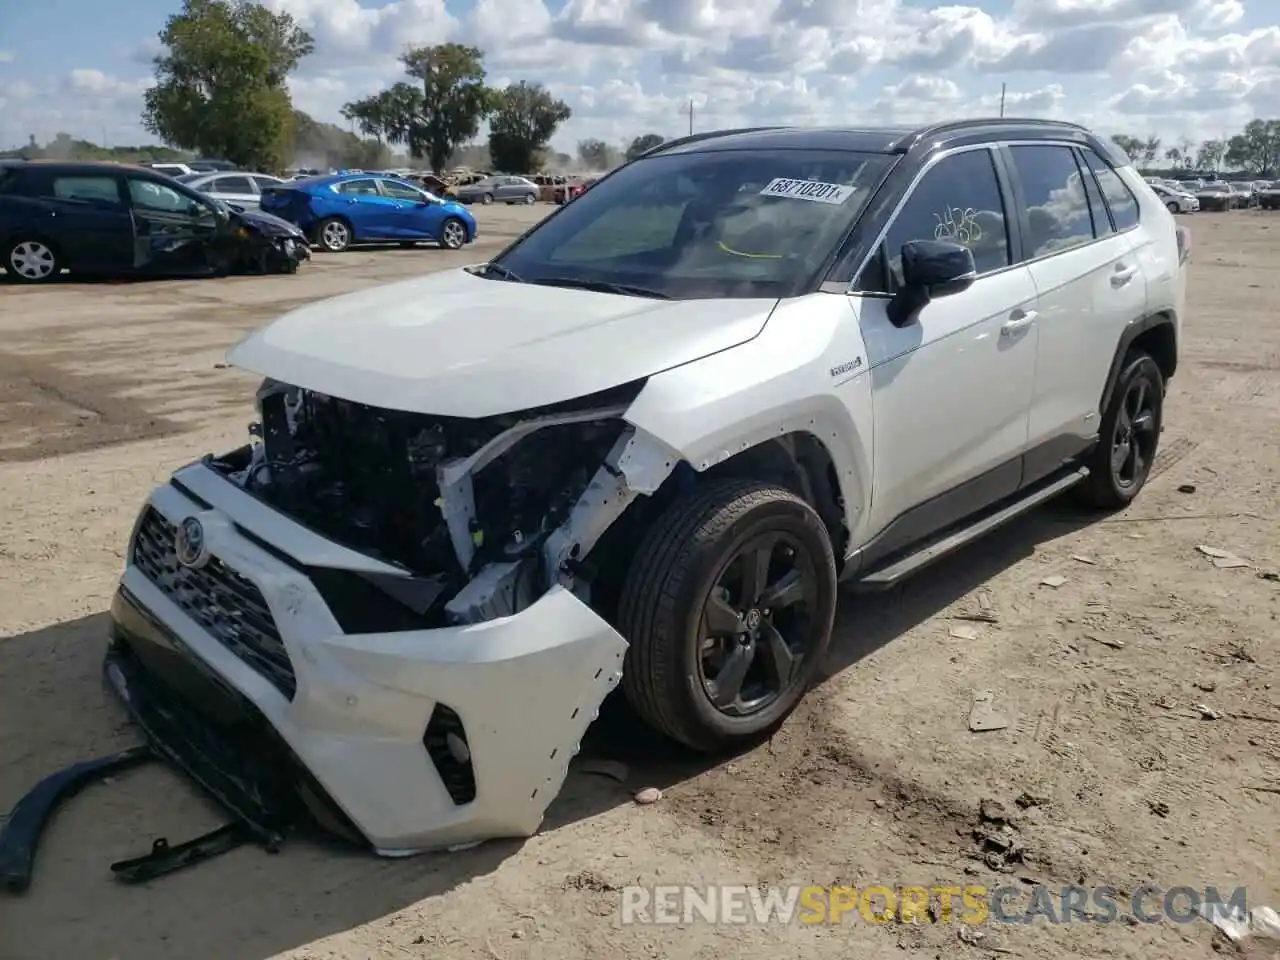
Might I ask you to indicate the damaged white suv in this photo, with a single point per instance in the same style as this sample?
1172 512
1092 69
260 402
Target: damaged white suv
643 444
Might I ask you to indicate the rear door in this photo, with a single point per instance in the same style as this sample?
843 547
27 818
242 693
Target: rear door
238 189
174 227
1082 261
86 216
371 214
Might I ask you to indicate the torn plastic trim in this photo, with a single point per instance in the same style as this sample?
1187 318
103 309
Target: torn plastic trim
453 477
637 466
22 829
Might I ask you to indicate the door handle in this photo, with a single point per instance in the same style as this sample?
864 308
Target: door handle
1123 275
1018 321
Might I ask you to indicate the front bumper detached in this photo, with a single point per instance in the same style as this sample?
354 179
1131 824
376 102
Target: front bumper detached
238 674
415 740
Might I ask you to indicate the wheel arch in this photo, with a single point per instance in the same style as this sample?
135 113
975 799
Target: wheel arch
1155 334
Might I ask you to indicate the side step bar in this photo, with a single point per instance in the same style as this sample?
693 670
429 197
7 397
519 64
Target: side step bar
887 577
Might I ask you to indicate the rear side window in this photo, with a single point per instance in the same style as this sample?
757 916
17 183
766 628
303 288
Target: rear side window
101 190
1057 206
1102 225
958 200
234 185
265 183
1120 199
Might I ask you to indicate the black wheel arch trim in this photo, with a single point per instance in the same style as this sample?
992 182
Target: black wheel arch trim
1127 339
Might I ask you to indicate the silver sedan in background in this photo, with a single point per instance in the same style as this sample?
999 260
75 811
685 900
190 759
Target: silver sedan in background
506 189
236 188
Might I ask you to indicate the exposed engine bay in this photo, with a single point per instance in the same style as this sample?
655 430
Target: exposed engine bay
465 507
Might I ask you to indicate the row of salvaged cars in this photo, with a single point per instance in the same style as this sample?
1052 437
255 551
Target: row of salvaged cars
1207 193
101 219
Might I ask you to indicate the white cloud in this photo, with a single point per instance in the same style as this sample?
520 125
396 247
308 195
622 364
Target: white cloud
1174 68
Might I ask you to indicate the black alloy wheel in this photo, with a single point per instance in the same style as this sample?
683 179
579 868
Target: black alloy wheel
757 624
1129 436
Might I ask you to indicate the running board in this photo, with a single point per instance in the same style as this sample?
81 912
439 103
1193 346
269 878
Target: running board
887 577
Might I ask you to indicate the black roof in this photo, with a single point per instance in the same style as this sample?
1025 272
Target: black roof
888 139
80 166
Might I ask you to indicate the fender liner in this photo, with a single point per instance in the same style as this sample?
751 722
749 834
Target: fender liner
1131 333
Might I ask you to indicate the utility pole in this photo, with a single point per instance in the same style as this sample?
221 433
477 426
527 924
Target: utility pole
1003 88
691 116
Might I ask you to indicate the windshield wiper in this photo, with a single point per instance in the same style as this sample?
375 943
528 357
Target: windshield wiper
601 286
501 271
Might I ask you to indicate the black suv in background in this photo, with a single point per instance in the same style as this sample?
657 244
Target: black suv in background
112 219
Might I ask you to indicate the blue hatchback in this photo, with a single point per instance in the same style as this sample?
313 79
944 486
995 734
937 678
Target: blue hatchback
337 211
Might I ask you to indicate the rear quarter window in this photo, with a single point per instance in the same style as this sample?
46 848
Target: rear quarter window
1120 199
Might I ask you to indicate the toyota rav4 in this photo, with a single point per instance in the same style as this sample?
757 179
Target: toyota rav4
641 446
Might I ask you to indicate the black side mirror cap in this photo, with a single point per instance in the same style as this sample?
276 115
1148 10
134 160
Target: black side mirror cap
930 269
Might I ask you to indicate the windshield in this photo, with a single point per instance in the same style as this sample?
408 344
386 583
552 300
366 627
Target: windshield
725 223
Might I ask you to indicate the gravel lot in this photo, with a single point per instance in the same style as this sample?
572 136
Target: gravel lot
877 779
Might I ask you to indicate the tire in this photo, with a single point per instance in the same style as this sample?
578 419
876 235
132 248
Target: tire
1173 206
31 260
487 199
530 198
333 234
679 567
453 234
1106 487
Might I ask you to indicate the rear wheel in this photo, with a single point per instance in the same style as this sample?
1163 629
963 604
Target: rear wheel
1129 437
453 234
727 607
334 234
31 260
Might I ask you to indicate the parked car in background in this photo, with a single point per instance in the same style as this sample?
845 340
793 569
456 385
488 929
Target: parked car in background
344 209
500 188
211 166
1269 195
112 219
237 189
171 169
1215 195
1176 199
548 184
573 189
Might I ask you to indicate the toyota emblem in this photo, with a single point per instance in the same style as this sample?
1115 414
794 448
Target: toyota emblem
189 544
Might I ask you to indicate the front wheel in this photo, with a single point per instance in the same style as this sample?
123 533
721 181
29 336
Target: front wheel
728 607
334 234
1173 206
29 260
1129 436
530 198
453 235
487 199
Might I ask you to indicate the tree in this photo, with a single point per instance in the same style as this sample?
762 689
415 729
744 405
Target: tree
454 99
325 145
1209 156
643 144
524 122
1256 148
597 155
220 82
1135 147
1150 150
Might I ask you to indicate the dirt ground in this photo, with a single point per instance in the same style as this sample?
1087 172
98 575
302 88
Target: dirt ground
1108 769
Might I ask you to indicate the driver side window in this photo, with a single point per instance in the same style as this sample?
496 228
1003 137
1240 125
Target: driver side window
156 197
958 200
398 191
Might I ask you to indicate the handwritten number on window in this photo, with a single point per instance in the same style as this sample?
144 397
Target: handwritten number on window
958 225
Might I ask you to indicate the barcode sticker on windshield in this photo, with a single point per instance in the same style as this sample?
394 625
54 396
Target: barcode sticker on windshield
814 190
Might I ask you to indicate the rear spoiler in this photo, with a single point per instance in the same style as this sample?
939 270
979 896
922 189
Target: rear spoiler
1184 244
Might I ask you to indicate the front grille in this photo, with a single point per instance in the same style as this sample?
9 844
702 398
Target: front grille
226 604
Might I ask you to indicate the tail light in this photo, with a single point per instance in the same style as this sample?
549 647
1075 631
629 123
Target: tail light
1184 244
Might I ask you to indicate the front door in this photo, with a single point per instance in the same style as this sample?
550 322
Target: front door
174 229
411 216
951 391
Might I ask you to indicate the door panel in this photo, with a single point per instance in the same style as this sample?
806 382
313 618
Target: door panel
1089 286
91 223
372 215
412 215
951 391
174 229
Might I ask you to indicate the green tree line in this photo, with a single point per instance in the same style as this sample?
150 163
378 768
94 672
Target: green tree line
1254 150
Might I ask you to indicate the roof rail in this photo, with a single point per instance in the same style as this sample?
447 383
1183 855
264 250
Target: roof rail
705 135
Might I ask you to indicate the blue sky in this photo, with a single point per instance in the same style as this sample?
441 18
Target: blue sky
1174 68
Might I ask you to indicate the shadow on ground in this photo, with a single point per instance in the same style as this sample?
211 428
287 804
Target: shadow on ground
54 711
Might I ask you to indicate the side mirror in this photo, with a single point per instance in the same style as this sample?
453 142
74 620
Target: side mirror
930 269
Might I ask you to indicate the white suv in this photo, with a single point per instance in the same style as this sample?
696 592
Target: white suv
643 444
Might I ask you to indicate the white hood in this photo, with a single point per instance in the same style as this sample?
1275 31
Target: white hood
453 344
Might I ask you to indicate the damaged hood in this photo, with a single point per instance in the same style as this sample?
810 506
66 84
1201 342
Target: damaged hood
454 344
